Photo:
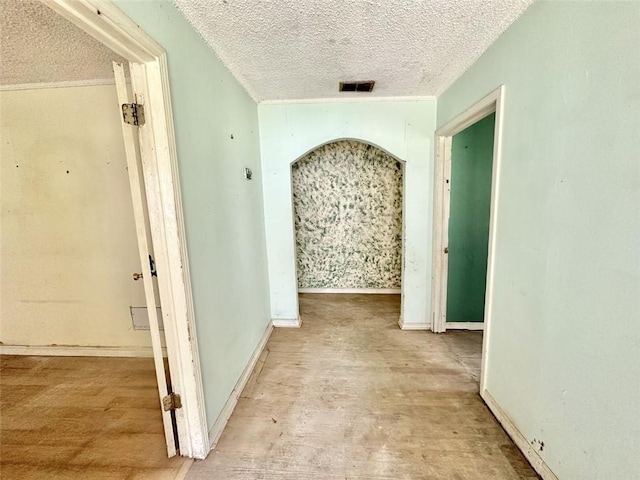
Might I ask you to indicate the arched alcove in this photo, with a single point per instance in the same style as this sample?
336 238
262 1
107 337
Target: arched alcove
404 129
348 202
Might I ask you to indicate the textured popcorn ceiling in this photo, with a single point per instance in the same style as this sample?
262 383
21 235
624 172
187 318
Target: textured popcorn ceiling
39 46
301 49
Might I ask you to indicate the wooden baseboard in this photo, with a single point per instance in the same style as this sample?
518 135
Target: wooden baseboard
464 325
527 449
218 427
412 326
374 291
77 351
287 322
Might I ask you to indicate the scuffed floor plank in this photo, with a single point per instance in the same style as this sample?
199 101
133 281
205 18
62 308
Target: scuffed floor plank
351 396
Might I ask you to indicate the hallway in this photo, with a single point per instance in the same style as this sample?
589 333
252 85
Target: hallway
351 396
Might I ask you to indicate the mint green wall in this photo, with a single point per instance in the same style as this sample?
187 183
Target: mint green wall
405 130
564 360
471 166
223 211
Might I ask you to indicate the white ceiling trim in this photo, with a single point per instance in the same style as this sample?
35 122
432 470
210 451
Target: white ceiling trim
347 100
65 84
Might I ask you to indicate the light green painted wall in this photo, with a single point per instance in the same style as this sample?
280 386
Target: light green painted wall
404 129
223 211
564 359
470 202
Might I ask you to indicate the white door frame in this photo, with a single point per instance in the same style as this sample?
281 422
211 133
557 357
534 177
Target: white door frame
109 25
494 102
143 232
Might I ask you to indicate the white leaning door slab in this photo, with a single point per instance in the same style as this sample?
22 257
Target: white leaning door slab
134 164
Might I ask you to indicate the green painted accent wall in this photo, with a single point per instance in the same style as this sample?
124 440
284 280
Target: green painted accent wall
216 125
471 166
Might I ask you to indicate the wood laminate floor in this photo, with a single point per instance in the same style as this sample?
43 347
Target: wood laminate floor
81 418
350 396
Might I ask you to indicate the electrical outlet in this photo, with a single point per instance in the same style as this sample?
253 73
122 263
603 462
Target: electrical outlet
248 173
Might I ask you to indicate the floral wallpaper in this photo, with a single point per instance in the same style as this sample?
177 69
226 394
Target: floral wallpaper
347 198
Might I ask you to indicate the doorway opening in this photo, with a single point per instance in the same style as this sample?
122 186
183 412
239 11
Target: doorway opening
62 166
348 204
467 170
468 226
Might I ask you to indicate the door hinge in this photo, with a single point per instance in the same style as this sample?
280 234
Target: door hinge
133 114
152 267
171 402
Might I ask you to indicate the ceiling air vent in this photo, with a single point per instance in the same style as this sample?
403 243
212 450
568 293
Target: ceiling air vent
357 86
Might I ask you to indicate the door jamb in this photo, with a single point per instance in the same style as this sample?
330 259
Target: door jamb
130 136
113 28
494 102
